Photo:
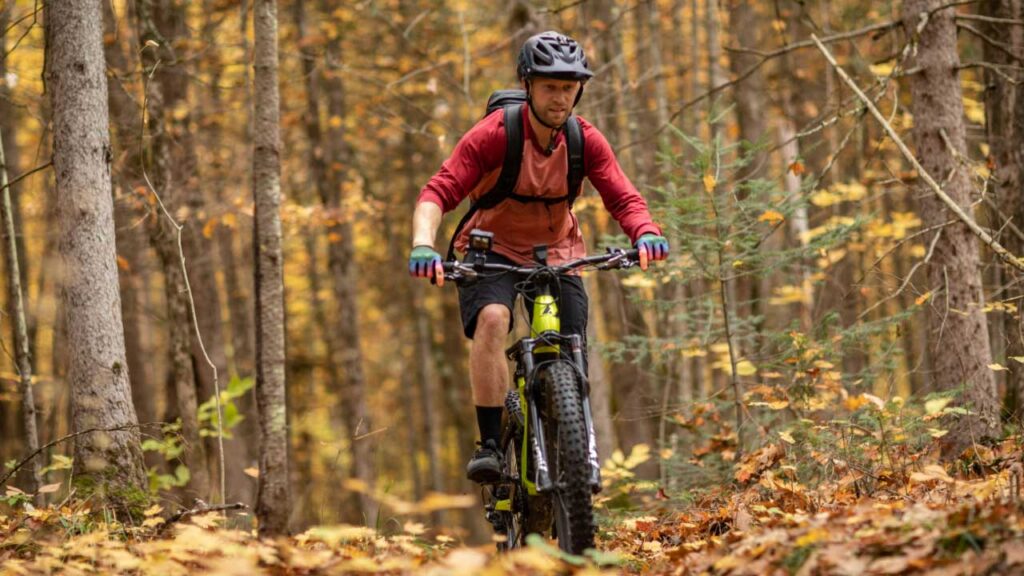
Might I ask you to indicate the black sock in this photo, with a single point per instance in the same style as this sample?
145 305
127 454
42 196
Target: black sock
488 418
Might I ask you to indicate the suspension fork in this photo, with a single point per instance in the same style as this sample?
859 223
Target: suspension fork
542 478
576 346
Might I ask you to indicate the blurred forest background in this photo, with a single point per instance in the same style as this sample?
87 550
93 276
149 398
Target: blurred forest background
813 272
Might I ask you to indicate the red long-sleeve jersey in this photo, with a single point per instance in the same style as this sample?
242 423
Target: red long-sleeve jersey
475 165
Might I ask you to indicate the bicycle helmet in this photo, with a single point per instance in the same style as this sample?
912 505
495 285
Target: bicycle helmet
553 55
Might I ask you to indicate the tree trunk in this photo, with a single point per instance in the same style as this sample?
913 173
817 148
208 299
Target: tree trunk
8 124
239 452
16 306
322 185
343 270
600 387
9 411
273 498
957 336
206 350
999 132
165 94
109 463
1015 178
716 76
128 211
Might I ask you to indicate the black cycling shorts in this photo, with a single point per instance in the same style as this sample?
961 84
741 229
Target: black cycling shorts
503 288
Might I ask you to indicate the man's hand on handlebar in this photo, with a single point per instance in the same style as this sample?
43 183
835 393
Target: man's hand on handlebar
653 247
425 262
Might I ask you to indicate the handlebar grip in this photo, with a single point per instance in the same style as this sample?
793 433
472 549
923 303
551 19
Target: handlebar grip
438 273
643 257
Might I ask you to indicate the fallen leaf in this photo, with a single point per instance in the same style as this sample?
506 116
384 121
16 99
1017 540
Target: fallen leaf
49 488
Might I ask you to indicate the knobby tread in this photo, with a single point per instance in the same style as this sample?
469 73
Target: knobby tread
571 466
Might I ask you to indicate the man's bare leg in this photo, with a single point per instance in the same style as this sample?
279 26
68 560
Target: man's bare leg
488 373
488 369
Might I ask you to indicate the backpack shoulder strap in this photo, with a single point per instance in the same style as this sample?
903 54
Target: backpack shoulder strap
509 171
577 168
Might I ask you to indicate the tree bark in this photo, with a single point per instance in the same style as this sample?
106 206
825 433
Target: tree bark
108 463
958 336
165 96
273 499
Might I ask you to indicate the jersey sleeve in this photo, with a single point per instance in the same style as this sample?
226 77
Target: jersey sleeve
618 194
478 152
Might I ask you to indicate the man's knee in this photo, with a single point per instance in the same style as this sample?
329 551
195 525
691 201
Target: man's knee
492 322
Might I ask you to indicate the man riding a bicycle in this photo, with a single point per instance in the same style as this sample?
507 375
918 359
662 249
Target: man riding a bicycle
552 69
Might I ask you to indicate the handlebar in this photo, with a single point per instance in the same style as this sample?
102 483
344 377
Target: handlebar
614 259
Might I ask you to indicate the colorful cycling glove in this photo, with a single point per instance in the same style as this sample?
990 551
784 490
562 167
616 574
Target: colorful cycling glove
423 260
656 246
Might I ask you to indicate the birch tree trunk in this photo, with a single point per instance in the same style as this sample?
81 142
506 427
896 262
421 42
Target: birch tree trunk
16 306
957 335
9 411
106 463
9 124
164 96
273 498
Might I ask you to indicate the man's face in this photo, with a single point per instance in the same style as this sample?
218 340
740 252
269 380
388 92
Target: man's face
553 99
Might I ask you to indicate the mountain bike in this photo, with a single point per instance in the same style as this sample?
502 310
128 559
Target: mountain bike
550 463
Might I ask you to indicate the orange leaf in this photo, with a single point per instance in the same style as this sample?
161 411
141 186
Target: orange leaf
797 168
209 227
771 216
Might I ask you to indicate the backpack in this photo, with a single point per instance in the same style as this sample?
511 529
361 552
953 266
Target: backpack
510 103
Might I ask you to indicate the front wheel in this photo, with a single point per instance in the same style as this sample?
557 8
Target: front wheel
568 442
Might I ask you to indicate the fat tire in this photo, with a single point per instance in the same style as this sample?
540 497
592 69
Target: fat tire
568 442
512 519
